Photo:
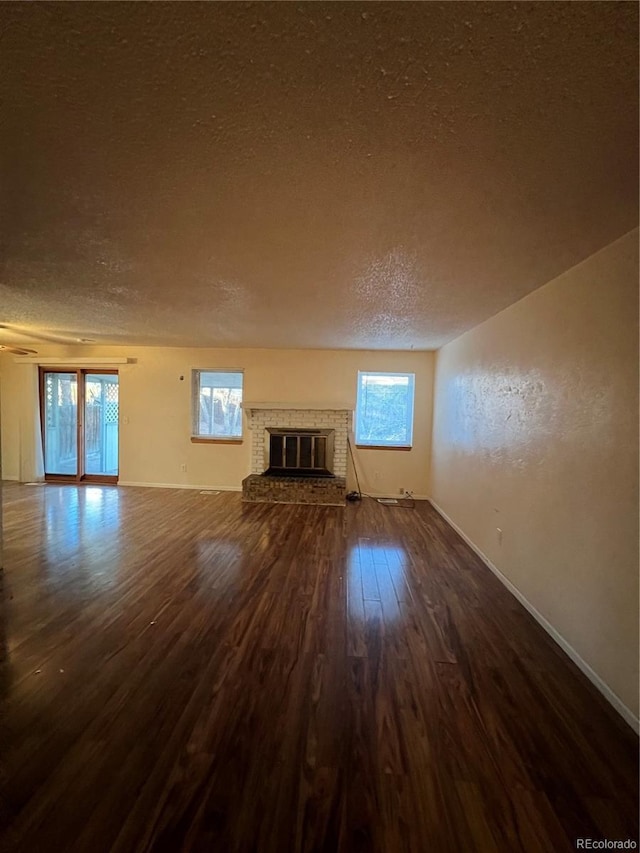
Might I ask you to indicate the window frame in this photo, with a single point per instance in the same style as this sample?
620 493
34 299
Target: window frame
377 444
219 438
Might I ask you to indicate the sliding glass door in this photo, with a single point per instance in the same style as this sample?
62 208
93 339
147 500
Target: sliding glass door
101 424
79 413
60 423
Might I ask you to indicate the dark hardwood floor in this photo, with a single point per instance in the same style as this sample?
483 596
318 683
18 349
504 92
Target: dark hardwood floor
187 672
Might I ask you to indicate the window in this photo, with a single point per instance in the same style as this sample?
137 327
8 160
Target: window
216 404
384 409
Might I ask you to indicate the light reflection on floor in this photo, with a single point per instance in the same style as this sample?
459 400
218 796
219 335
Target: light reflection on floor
218 562
79 521
376 574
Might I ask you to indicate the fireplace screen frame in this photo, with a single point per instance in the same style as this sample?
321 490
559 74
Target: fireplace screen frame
299 445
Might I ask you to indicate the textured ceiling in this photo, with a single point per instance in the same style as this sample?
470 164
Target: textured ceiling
381 175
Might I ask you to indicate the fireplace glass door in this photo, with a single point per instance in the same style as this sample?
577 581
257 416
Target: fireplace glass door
298 452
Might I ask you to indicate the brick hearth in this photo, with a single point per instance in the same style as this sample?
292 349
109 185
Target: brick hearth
263 488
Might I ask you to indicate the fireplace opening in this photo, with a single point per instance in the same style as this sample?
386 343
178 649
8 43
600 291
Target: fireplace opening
299 452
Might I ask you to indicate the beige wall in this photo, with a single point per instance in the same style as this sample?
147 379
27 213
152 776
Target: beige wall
536 433
155 411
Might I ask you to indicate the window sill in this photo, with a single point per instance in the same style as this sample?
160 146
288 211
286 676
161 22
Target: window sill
382 447
196 439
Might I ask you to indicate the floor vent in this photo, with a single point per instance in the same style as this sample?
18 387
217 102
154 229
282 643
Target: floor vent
207 492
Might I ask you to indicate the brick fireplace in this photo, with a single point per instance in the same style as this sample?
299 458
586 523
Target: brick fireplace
328 421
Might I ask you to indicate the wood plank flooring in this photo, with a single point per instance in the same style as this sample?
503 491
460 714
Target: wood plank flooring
186 672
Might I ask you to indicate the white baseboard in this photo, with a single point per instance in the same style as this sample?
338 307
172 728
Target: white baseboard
207 488
627 715
395 497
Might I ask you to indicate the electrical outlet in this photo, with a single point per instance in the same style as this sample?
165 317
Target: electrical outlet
376 475
183 467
